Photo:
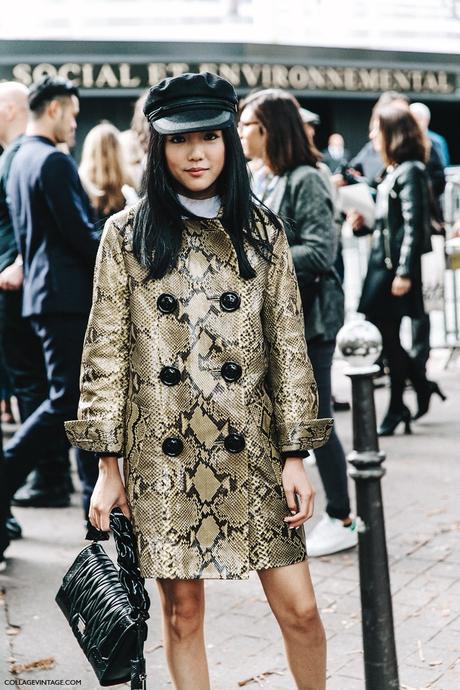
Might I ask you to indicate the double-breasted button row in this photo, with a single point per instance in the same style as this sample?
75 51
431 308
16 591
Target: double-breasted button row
233 443
229 301
231 371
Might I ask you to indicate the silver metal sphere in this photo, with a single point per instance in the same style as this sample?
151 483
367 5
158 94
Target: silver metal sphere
360 343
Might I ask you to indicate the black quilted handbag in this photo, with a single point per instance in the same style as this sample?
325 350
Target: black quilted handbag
107 608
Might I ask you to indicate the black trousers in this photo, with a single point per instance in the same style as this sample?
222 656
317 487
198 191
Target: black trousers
23 356
330 458
420 351
61 338
402 367
4 502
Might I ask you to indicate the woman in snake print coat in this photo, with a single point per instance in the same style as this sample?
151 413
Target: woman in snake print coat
196 372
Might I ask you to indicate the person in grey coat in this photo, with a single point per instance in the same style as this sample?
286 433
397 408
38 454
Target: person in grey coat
290 184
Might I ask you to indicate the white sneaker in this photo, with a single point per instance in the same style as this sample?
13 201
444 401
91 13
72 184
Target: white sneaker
330 536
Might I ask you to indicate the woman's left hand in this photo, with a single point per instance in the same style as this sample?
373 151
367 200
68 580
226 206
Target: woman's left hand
400 286
295 482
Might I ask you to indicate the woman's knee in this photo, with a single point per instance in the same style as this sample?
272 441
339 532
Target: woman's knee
184 614
302 617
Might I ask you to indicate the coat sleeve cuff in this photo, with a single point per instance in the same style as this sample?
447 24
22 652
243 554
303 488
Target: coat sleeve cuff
295 454
305 436
95 435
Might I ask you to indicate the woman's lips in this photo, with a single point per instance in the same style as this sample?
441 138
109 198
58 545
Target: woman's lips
196 172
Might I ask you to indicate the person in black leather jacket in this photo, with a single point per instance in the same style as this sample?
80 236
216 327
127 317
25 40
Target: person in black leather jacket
393 284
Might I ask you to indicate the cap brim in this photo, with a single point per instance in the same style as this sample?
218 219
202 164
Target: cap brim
194 121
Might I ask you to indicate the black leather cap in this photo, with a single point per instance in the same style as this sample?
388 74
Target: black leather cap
191 103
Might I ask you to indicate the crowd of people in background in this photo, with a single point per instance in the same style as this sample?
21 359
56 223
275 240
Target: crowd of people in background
51 216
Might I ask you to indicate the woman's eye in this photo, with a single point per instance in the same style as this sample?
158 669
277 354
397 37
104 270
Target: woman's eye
210 136
177 139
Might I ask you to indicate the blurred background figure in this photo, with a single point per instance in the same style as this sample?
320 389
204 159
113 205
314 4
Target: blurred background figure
422 114
289 182
335 155
309 119
135 143
370 162
51 216
104 172
393 284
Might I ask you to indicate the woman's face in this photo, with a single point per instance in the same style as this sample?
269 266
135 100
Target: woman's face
195 160
252 134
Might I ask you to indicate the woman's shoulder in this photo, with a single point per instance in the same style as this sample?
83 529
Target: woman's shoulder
410 169
307 178
409 173
119 226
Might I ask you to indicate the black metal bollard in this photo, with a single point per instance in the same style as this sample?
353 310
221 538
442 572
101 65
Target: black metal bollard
380 661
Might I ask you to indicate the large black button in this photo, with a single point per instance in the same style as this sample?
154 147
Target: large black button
167 303
172 446
234 442
170 376
230 301
231 371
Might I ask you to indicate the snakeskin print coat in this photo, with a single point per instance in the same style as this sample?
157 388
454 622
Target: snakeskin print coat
201 380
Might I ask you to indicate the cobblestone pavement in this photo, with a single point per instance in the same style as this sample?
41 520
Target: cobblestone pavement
243 641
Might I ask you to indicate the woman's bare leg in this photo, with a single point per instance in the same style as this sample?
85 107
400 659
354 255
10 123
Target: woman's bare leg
291 597
183 618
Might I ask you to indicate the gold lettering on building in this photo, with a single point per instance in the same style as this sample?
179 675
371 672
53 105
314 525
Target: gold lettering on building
251 73
157 72
280 77
230 72
126 80
266 76
72 71
298 77
43 70
106 77
22 73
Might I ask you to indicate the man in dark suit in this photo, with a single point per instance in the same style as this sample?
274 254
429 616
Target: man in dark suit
58 244
20 348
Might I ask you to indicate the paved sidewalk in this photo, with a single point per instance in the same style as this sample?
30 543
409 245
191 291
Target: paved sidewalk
421 491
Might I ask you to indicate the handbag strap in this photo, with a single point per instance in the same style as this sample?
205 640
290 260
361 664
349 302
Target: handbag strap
129 573
133 582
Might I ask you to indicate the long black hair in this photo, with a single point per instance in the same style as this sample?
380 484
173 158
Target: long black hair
159 221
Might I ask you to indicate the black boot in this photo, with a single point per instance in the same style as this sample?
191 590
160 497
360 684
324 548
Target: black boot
424 394
393 419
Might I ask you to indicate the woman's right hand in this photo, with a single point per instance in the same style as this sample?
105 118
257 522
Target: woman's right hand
356 220
109 492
